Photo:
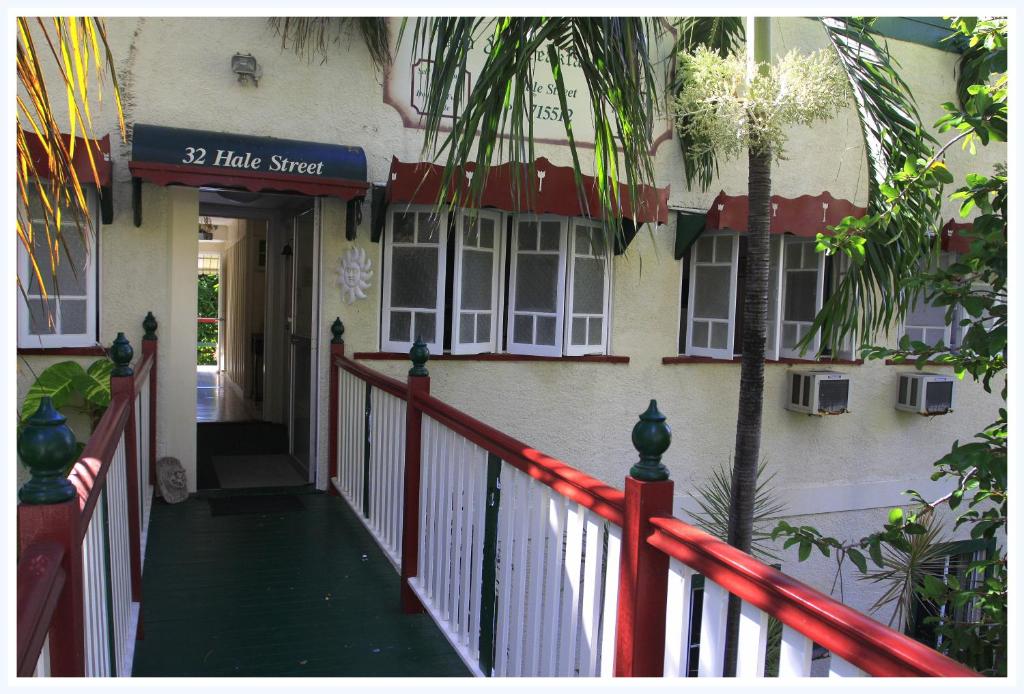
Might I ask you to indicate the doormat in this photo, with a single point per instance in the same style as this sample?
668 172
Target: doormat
257 470
259 503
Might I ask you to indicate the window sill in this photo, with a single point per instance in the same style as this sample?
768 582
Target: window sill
87 351
401 356
683 359
912 362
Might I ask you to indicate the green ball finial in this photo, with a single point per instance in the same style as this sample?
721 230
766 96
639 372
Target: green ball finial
46 445
337 329
419 355
121 354
651 437
149 324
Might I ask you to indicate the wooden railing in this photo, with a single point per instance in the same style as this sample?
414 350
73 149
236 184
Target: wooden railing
80 538
533 568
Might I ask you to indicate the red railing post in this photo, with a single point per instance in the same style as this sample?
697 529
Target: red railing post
122 387
643 570
149 347
419 386
50 509
333 405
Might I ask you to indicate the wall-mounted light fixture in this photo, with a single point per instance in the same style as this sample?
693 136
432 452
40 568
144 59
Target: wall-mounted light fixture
245 66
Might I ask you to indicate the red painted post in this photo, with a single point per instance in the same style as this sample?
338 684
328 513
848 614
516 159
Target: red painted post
122 387
149 346
419 386
643 570
59 523
333 405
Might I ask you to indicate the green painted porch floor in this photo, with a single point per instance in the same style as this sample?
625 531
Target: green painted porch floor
292 593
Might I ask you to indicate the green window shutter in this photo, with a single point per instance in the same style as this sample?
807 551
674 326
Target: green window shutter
689 226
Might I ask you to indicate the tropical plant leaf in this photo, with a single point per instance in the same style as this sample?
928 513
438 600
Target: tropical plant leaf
311 37
94 384
57 381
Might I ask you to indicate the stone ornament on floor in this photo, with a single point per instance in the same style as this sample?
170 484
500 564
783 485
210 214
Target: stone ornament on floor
171 481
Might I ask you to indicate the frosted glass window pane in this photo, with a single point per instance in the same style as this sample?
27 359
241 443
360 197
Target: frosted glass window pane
424 327
523 330
71 270
42 253
793 260
483 327
427 227
579 330
925 314
486 233
404 227
537 283
711 292
719 335
582 241
545 330
700 334
527 236
705 249
550 232
598 246
477 279
595 330
723 249
801 289
470 233
466 321
790 335
414 277
72 317
588 286
39 323
401 323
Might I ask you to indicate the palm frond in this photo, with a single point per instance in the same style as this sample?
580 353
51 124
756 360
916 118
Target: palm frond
311 37
870 296
724 35
53 192
492 108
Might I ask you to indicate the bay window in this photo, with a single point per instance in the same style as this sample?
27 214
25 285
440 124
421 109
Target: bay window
531 284
67 316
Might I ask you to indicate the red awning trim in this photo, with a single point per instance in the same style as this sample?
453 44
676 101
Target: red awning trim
80 160
553 191
953 240
253 181
806 215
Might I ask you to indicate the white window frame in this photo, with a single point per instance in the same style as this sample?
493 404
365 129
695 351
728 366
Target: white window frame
727 352
773 332
946 259
789 244
532 349
436 345
602 348
497 284
28 340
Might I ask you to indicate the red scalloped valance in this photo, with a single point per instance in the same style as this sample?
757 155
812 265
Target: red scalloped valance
80 160
806 215
953 240
552 191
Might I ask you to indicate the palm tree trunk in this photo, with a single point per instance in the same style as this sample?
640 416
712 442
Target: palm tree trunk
748 418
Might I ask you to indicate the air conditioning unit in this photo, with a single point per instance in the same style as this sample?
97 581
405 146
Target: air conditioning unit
925 393
818 392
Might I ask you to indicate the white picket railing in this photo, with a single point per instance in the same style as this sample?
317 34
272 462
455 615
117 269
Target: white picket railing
351 438
386 483
142 431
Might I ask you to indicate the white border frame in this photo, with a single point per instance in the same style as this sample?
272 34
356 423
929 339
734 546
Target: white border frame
819 293
437 345
497 284
570 262
727 352
532 349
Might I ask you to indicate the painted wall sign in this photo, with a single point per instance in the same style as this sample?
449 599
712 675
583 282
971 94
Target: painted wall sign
406 82
203 148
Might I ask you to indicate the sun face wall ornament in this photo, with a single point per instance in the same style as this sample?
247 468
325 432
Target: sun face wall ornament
354 274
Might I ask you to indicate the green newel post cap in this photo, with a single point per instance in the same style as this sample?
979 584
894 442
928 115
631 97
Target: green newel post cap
419 355
46 445
651 437
121 354
337 329
149 324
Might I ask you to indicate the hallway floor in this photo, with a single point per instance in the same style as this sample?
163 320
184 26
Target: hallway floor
217 400
276 584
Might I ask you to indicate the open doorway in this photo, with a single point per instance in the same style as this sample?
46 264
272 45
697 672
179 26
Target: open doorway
255 355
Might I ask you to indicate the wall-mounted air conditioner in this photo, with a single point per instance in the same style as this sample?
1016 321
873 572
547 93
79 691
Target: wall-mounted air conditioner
925 393
818 392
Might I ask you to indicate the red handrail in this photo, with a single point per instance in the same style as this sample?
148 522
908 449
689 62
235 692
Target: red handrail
40 582
379 380
204 319
580 487
874 648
